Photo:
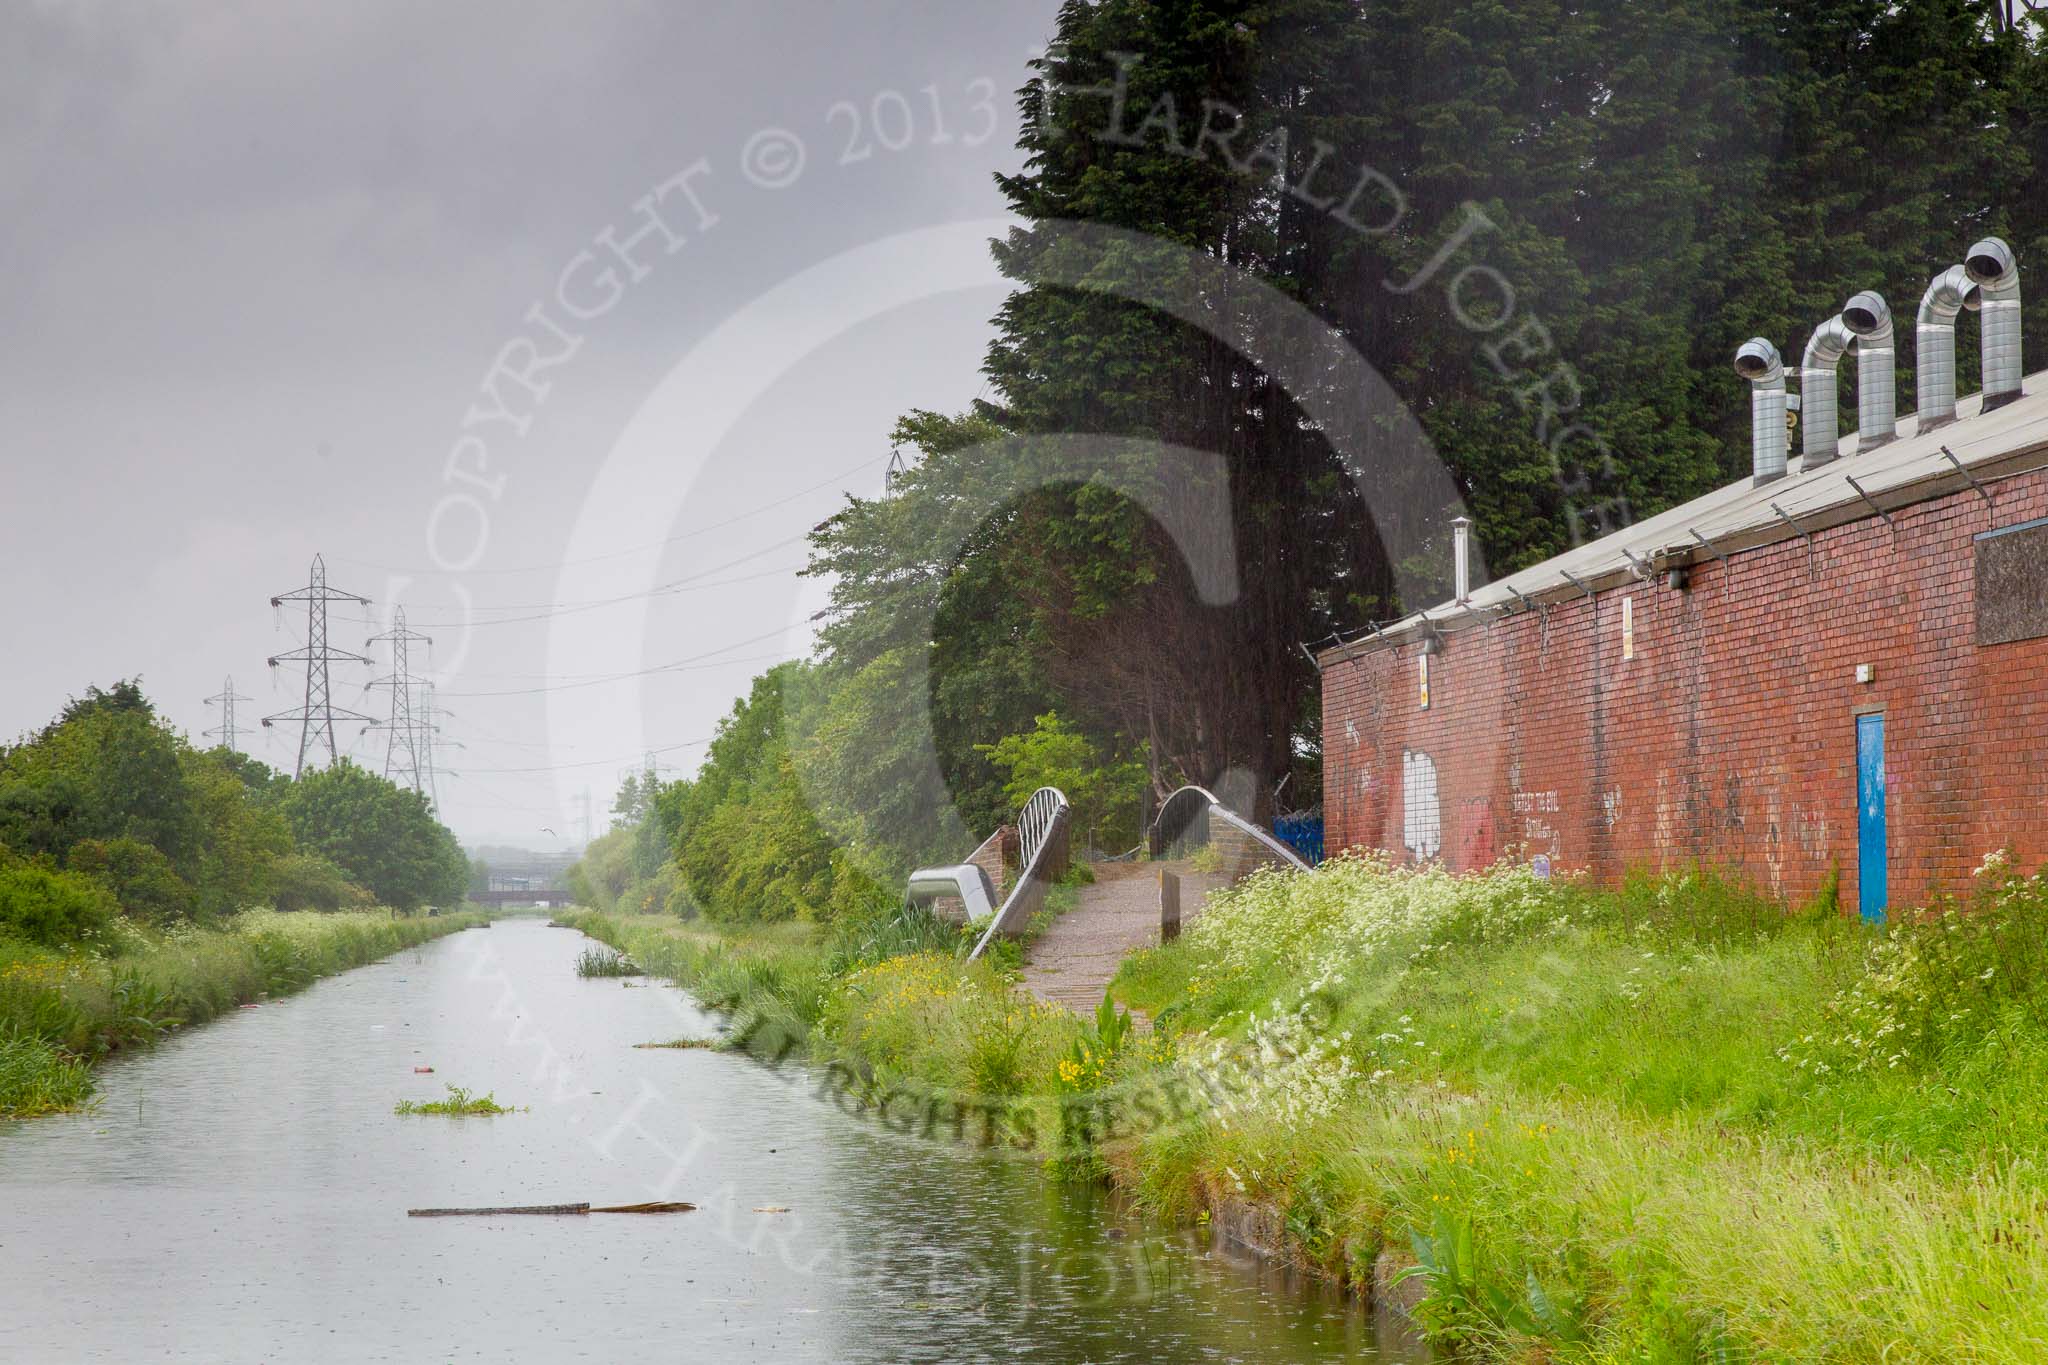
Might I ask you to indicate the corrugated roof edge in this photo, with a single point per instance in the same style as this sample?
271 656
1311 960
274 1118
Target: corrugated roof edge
1740 517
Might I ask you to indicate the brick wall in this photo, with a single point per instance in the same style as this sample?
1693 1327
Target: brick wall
997 856
1240 854
1730 736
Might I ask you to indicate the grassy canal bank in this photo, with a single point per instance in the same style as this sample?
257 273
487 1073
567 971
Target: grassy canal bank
62 1011
1668 1123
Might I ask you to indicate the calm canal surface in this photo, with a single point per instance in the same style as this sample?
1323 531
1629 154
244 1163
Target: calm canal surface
240 1195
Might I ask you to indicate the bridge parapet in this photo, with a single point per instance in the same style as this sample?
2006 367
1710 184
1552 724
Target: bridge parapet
1193 818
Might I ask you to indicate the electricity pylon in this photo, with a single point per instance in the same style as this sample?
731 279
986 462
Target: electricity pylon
403 762
317 716
430 714
226 700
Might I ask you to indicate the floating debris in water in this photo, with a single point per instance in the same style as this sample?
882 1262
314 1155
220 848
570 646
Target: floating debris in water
654 1206
682 1042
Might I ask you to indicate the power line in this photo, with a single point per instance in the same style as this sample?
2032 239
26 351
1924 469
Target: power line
687 583
680 665
548 610
470 675
317 715
635 550
590 763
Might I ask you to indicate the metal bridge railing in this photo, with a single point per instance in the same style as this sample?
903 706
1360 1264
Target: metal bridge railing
1042 835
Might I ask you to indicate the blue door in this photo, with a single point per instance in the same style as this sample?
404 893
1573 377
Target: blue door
1870 878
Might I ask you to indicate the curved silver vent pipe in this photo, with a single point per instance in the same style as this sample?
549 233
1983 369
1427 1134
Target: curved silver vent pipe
1819 422
1759 363
1996 272
1934 346
1877 369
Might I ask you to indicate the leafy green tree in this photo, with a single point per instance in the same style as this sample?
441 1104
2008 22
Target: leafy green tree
605 870
305 881
1105 792
139 878
107 768
242 834
748 840
383 837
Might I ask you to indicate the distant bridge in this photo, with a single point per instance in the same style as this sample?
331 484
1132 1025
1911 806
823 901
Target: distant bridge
532 895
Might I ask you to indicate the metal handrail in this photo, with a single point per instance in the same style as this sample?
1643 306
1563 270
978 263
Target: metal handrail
1035 821
1207 807
1039 827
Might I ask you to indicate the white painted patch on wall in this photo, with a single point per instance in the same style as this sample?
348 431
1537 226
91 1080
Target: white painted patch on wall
1422 820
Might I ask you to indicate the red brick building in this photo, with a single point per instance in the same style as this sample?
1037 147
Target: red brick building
1833 677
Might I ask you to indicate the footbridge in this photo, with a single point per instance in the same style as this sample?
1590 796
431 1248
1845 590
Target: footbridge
1195 845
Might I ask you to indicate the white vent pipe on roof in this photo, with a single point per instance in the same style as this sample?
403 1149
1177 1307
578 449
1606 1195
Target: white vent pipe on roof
1934 346
1758 362
1996 272
1877 369
1819 421
1461 557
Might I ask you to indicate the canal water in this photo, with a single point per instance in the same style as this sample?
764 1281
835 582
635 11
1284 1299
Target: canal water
240 1194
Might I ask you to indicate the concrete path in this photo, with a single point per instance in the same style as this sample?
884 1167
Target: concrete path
1072 962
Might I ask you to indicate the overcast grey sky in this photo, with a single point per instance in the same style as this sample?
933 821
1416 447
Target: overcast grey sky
374 281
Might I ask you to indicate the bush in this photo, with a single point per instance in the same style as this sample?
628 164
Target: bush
305 881
139 877
53 909
1942 980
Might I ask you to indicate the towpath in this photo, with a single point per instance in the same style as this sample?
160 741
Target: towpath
1071 963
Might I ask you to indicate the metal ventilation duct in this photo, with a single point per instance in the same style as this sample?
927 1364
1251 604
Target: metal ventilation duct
1934 346
1996 271
1758 362
1819 420
1461 557
1877 369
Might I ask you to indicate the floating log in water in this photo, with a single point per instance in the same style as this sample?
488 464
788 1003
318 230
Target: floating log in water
653 1206
656 1206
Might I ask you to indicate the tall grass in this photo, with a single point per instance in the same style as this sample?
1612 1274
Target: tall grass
605 962
1671 1122
36 1078
60 1012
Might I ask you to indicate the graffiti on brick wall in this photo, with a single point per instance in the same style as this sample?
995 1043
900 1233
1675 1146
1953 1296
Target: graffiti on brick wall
1810 831
1610 806
1539 835
1422 816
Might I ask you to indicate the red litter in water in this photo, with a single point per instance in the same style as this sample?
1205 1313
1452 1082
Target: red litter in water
423 1071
